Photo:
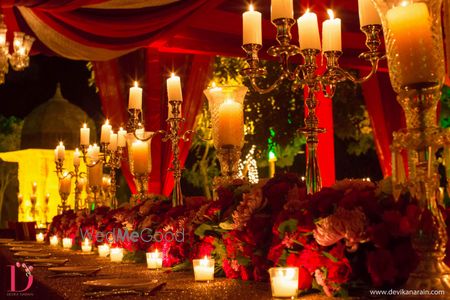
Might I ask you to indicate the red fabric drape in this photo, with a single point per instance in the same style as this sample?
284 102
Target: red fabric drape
325 150
386 116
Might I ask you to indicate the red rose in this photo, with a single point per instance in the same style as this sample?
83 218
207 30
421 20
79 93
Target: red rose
275 253
339 272
311 260
304 279
229 272
381 267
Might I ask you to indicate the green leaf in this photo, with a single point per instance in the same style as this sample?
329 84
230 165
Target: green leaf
243 261
227 225
329 256
184 266
200 231
287 226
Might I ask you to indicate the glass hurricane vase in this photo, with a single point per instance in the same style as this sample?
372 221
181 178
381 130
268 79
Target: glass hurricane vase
226 106
414 49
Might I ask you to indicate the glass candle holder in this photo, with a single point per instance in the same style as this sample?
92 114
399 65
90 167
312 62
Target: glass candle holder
116 254
226 105
67 243
139 152
54 241
203 269
86 246
103 250
284 282
154 260
40 237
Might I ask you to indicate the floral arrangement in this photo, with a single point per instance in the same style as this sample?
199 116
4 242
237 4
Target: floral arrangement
346 237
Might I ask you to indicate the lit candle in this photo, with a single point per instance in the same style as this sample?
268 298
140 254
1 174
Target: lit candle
54 241
135 98
95 152
121 140
116 254
308 31
410 27
331 33
47 198
84 135
252 33
103 250
230 124
106 182
282 9
95 175
140 153
81 183
368 14
174 88
203 269
86 246
284 282
40 237
34 187
67 243
106 132
60 152
64 184
112 141
154 260
76 158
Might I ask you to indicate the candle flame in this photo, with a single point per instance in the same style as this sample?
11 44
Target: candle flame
107 122
213 84
172 75
120 129
135 84
61 144
331 14
84 125
307 11
250 7
404 3
76 150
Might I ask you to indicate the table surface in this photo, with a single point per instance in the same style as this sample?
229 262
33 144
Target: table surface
179 285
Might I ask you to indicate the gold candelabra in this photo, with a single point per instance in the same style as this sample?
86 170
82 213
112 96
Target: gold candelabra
306 76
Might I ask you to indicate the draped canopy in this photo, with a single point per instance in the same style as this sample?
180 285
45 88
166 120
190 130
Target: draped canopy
184 32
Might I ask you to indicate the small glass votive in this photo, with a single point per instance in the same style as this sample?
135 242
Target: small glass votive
54 241
86 246
284 282
67 243
116 254
103 250
203 269
40 237
154 260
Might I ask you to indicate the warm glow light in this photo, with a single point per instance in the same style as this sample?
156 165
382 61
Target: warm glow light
84 125
404 3
107 122
330 13
61 144
172 75
307 10
250 7
135 84
213 84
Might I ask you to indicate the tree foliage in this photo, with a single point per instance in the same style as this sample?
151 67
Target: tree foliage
10 133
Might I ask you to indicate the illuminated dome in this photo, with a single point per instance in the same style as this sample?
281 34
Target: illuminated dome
53 121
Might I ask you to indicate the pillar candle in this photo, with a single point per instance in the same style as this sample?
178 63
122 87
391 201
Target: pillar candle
331 34
203 269
121 140
84 135
65 184
76 158
251 24
140 155
410 27
308 31
174 88
95 152
112 142
95 175
135 98
230 129
103 250
282 9
368 14
105 133
116 254
60 152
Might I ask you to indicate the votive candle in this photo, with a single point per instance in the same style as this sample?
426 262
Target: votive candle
40 237
284 282
67 243
54 241
154 260
116 254
103 250
203 269
86 246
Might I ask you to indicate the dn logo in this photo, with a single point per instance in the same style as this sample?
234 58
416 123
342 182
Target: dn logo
28 270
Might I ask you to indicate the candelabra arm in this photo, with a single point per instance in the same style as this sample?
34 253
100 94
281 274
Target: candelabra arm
346 75
270 88
162 132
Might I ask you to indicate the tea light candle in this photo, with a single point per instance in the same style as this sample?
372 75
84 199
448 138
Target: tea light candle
203 269
84 135
135 98
230 124
86 246
40 237
103 250
67 243
284 282
331 33
116 254
54 241
154 260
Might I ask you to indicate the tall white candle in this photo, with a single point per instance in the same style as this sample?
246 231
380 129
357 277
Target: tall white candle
135 98
368 14
112 142
95 152
410 27
251 24
140 155
76 158
60 151
121 140
331 33
282 9
308 31
106 132
174 88
230 129
84 135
